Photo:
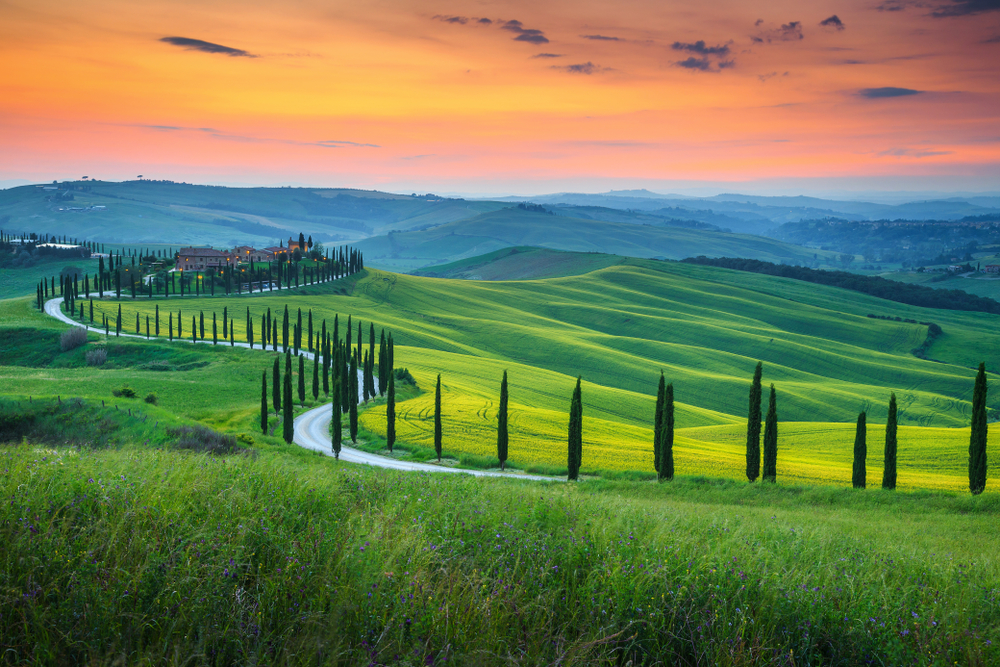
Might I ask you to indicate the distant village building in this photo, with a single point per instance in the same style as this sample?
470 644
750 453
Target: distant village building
199 259
993 268
293 245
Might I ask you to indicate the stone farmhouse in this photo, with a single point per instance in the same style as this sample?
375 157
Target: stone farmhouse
200 259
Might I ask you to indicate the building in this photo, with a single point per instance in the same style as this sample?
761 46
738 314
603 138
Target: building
246 254
992 268
199 259
292 245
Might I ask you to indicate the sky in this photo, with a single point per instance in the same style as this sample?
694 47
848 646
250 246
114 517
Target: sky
506 97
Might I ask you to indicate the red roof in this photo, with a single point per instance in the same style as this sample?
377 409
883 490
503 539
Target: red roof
201 252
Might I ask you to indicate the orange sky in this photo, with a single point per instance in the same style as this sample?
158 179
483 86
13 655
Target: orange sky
504 96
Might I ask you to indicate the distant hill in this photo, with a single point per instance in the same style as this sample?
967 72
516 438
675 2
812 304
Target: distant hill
523 263
156 211
407 251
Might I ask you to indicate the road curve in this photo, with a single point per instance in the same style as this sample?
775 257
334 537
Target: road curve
312 428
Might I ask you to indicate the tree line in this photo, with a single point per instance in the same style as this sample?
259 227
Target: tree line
910 294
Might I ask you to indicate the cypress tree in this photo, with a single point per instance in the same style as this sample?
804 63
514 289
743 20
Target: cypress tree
889 472
753 426
391 356
345 388
201 324
575 441
180 325
274 335
302 380
770 472
860 473
336 328
298 333
666 470
225 322
171 326
977 438
310 341
390 414
381 364
284 331
215 330
352 387
156 323
371 361
276 387
289 418
137 324
194 329
263 402
316 375
336 428
437 418
658 422
232 337
347 337
502 424
147 322
326 366
118 322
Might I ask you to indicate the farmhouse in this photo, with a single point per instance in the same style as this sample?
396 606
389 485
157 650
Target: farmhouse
245 253
199 259
992 268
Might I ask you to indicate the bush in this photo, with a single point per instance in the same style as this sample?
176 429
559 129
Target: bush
72 339
150 398
124 391
97 356
202 439
245 438
403 377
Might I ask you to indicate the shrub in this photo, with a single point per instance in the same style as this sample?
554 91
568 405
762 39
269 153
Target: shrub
72 339
202 439
97 356
124 391
150 398
245 438
403 377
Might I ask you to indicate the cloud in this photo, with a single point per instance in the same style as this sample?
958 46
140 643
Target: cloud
529 35
580 68
219 134
484 21
189 44
966 8
459 20
911 152
888 91
548 55
764 78
992 40
700 64
833 22
787 32
700 48
602 38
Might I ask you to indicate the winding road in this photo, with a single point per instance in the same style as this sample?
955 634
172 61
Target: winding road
312 428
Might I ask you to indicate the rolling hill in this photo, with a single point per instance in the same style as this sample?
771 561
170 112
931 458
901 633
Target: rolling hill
618 326
487 232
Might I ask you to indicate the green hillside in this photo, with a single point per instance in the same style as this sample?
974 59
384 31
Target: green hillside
488 232
706 328
522 263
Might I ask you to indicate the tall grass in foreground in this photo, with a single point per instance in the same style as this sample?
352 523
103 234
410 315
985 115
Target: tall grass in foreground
158 557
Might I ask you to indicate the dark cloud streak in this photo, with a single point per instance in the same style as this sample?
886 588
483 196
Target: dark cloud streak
700 48
189 44
832 22
887 91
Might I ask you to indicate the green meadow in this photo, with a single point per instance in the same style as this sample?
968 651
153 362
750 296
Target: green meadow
618 327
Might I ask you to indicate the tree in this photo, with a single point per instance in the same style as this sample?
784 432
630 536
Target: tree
276 387
770 471
658 422
302 380
437 418
316 375
336 428
310 340
390 414
502 424
860 473
889 471
263 402
298 333
575 440
215 330
352 387
289 417
666 448
284 331
381 364
753 426
977 439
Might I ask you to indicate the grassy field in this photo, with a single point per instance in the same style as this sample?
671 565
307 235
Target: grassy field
136 555
496 230
619 325
522 263
21 282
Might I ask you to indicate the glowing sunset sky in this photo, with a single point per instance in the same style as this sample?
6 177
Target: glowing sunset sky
503 96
